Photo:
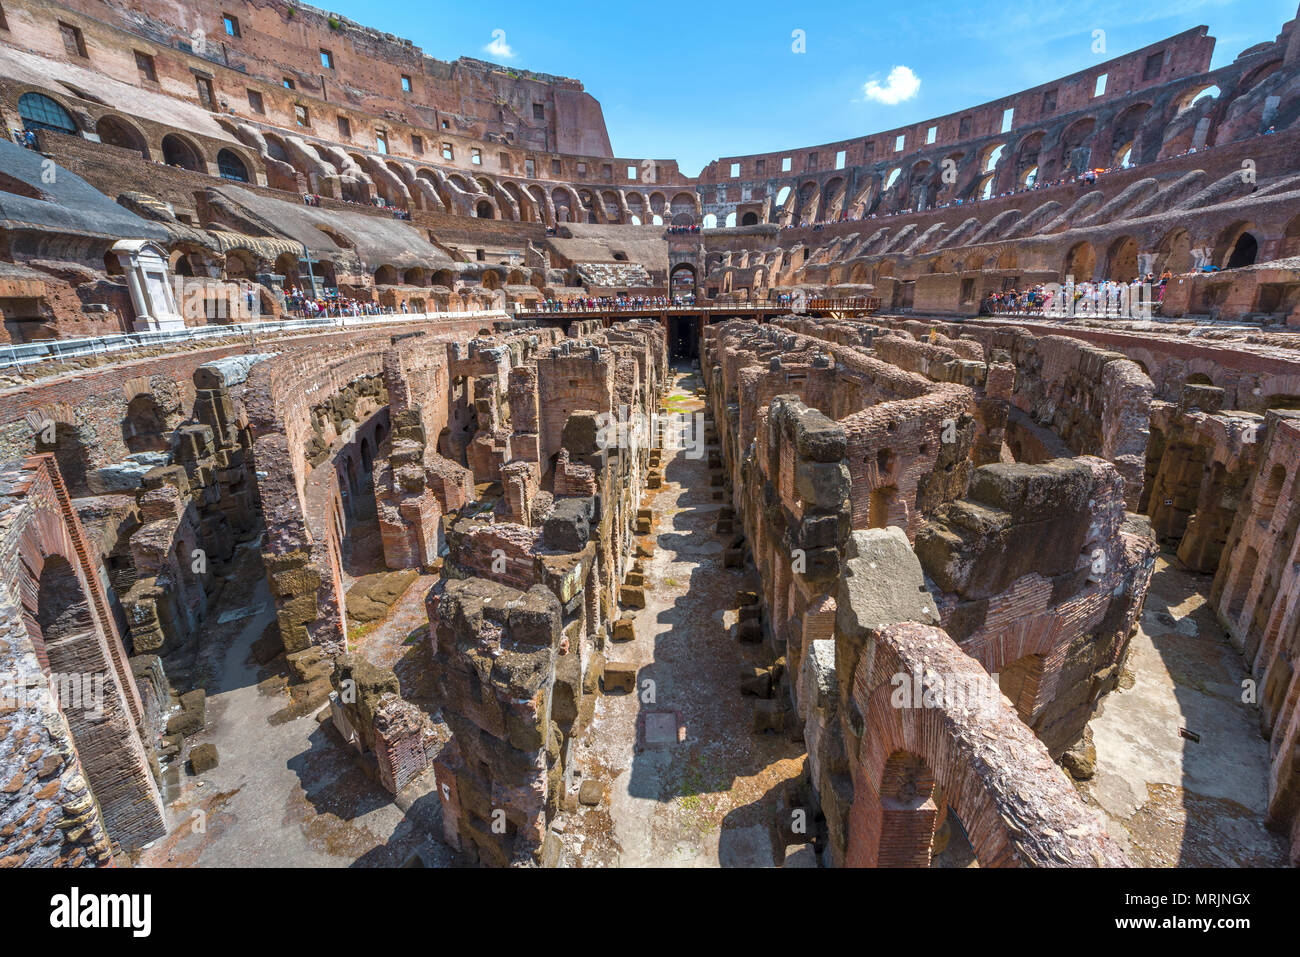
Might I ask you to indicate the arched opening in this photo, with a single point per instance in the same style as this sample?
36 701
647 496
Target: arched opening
144 429
1268 495
749 219
1291 239
70 454
992 156
483 210
1243 252
731 218
682 209
1174 253
118 132
366 460
1081 262
1076 151
230 166
682 279
1193 97
386 276
39 112
1122 260
710 220
179 152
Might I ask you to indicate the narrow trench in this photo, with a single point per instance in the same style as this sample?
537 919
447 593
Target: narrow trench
686 780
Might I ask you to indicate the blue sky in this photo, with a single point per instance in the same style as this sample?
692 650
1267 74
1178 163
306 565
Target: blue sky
696 81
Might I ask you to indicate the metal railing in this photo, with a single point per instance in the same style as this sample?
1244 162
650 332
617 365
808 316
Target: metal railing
16 355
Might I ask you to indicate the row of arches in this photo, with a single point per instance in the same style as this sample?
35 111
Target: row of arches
38 111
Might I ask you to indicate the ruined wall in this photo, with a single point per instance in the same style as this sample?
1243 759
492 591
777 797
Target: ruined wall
903 761
1254 595
1038 577
77 754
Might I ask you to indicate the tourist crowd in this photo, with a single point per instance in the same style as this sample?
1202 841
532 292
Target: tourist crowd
332 304
613 303
1089 298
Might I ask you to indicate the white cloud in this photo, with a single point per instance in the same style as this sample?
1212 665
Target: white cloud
901 84
498 47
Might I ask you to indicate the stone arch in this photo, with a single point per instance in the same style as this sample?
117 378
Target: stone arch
1236 245
1081 262
749 219
144 428
1258 75
832 198
1122 259
683 208
70 451
386 275
560 198
119 132
41 112
1291 239
1027 151
180 151
1124 135
1266 498
1174 253
484 210
1194 95
230 165
1075 154
990 156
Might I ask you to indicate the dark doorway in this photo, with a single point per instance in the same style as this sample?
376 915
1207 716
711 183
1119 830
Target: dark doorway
683 338
1244 253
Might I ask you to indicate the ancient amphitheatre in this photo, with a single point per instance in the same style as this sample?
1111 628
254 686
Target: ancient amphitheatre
393 475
